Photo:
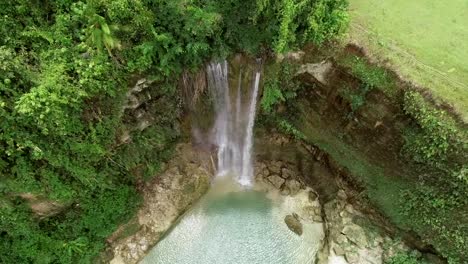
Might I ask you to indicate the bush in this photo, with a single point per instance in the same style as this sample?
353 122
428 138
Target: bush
436 137
302 21
405 258
439 147
279 86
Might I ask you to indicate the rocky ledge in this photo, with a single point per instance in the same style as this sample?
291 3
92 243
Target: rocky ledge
185 179
349 237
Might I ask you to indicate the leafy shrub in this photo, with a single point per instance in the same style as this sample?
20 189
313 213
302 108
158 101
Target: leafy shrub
436 215
435 206
76 237
405 258
371 76
436 138
302 21
272 95
356 98
289 129
279 86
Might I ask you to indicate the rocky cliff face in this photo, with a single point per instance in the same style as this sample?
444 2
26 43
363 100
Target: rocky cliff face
370 121
349 164
185 179
352 125
353 231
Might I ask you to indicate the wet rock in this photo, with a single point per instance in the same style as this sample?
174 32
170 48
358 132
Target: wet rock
285 191
276 180
261 171
317 218
341 239
293 186
352 257
294 224
339 251
317 211
349 208
356 234
286 173
341 195
275 167
312 196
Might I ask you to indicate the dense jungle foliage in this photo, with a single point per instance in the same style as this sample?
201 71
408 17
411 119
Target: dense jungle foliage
65 69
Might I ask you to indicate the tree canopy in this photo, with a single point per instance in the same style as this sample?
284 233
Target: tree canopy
65 68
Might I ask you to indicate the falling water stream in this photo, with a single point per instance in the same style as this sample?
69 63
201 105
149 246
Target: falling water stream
233 224
235 118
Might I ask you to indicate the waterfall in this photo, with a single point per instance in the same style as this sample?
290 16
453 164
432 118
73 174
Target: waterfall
233 127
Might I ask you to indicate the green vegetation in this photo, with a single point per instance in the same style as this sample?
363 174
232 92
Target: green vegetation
279 91
371 77
422 40
439 200
405 258
436 139
303 21
428 195
382 187
430 200
279 86
65 68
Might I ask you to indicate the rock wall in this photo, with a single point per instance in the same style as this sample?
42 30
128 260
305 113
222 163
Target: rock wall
375 128
166 197
354 233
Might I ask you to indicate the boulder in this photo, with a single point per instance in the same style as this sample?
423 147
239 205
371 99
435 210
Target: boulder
295 55
293 186
317 218
312 196
317 71
293 223
276 180
352 257
275 167
286 173
356 234
338 250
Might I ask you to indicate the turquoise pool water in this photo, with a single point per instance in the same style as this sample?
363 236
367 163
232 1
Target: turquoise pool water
234 227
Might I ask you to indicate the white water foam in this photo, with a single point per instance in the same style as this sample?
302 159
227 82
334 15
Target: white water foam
233 128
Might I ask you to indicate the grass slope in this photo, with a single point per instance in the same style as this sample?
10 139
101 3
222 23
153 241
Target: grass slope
426 41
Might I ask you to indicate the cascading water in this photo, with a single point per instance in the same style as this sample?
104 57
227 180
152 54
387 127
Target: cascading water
231 224
233 128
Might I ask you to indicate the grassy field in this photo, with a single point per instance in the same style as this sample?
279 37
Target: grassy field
426 41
